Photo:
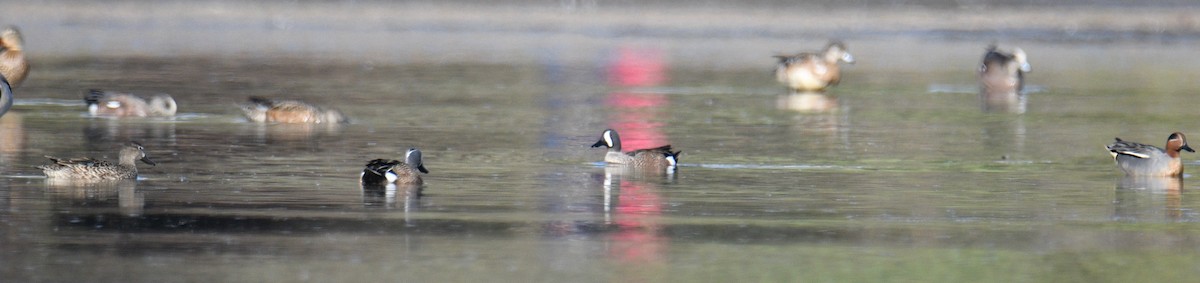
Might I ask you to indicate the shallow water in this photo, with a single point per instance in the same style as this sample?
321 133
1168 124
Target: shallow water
895 175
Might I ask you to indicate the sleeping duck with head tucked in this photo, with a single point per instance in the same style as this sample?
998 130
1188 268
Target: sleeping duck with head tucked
115 104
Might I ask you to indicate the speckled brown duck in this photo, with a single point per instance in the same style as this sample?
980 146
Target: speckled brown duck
89 169
651 158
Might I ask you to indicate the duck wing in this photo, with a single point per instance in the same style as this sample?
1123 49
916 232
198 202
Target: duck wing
1134 149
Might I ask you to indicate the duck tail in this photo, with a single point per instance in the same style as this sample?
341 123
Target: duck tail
93 96
672 157
164 104
376 171
261 101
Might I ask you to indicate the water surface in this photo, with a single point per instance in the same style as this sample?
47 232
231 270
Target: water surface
895 175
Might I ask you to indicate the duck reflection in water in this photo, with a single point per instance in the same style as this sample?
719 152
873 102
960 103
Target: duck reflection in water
97 194
392 196
633 205
12 138
293 134
1002 80
818 114
1145 198
807 102
100 132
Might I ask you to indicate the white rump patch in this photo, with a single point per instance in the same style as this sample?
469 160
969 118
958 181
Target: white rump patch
391 176
113 104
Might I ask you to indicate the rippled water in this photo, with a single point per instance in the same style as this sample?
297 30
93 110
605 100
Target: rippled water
896 175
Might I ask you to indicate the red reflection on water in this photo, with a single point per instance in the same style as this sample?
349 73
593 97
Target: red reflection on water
637 217
637 66
638 117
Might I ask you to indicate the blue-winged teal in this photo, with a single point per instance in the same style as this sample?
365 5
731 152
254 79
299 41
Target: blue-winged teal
658 158
115 104
6 96
290 111
1146 160
1003 72
382 172
809 71
88 169
12 60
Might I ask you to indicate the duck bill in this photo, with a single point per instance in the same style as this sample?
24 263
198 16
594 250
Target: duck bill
600 143
148 161
1187 148
422 169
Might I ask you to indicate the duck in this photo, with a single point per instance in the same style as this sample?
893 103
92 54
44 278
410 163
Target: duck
382 172
13 65
89 169
813 71
1137 159
651 158
1003 72
116 104
261 110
